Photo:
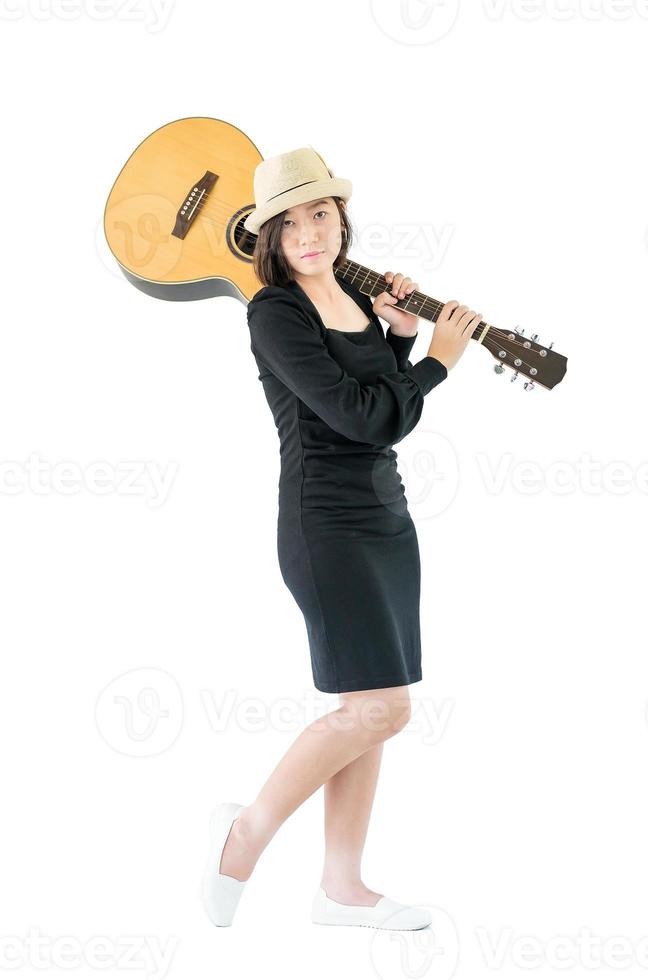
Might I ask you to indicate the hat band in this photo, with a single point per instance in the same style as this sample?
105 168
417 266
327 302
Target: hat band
292 189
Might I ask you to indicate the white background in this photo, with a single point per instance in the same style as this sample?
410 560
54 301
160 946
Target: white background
499 149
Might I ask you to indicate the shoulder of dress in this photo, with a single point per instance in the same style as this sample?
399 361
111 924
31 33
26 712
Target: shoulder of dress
267 293
279 304
264 293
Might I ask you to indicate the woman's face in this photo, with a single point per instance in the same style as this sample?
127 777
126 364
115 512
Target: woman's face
312 227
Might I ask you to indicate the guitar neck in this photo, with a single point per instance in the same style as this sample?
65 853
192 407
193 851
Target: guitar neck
372 283
508 347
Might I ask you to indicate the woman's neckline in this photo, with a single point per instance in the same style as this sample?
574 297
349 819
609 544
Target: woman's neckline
337 329
348 290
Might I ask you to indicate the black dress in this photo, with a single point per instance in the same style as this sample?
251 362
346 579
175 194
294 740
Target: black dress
346 543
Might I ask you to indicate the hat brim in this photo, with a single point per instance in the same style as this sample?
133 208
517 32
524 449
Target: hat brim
331 187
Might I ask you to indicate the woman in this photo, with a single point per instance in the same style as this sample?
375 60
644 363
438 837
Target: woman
342 393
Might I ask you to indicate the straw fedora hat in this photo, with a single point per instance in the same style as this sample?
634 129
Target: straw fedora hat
292 178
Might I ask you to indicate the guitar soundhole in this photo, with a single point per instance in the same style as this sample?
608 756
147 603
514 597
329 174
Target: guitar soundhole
241 240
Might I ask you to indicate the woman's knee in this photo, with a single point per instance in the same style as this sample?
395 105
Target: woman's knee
379 713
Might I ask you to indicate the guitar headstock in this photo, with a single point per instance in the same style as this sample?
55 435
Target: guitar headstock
512 349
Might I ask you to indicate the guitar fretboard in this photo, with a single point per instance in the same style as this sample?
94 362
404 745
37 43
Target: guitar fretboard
372 283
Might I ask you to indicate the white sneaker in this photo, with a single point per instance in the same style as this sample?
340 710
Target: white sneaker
221 893
385 914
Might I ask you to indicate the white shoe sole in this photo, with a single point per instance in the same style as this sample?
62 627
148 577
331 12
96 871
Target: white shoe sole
385 914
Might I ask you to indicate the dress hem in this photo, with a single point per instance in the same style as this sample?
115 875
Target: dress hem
385 680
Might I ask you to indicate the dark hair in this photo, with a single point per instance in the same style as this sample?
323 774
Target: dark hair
271 265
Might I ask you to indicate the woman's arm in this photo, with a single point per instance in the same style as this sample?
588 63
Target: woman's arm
401 347
292 348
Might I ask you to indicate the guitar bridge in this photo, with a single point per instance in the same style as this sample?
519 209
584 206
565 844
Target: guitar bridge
193 203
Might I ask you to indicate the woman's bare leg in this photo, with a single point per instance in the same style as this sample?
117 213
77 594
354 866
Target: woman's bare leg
348 799
364 719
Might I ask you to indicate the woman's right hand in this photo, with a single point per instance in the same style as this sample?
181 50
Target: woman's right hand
452 331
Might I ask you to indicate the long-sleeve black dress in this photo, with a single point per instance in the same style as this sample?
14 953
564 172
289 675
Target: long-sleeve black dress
347 545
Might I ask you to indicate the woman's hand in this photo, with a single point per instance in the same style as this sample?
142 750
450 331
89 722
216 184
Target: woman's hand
453 329
403 324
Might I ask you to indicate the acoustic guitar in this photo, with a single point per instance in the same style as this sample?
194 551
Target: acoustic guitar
174 223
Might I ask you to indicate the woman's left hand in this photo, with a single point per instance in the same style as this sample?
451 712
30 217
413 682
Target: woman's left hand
401 323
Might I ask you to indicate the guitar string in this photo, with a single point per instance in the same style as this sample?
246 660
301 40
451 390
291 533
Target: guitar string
424 301
225 211
492 333
381 279
370 276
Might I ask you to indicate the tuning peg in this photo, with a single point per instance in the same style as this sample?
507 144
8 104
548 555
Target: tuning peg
529 386
550 345
514 376
498 368
534 336
521 332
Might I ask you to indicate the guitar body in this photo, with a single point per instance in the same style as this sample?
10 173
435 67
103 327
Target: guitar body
174 217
